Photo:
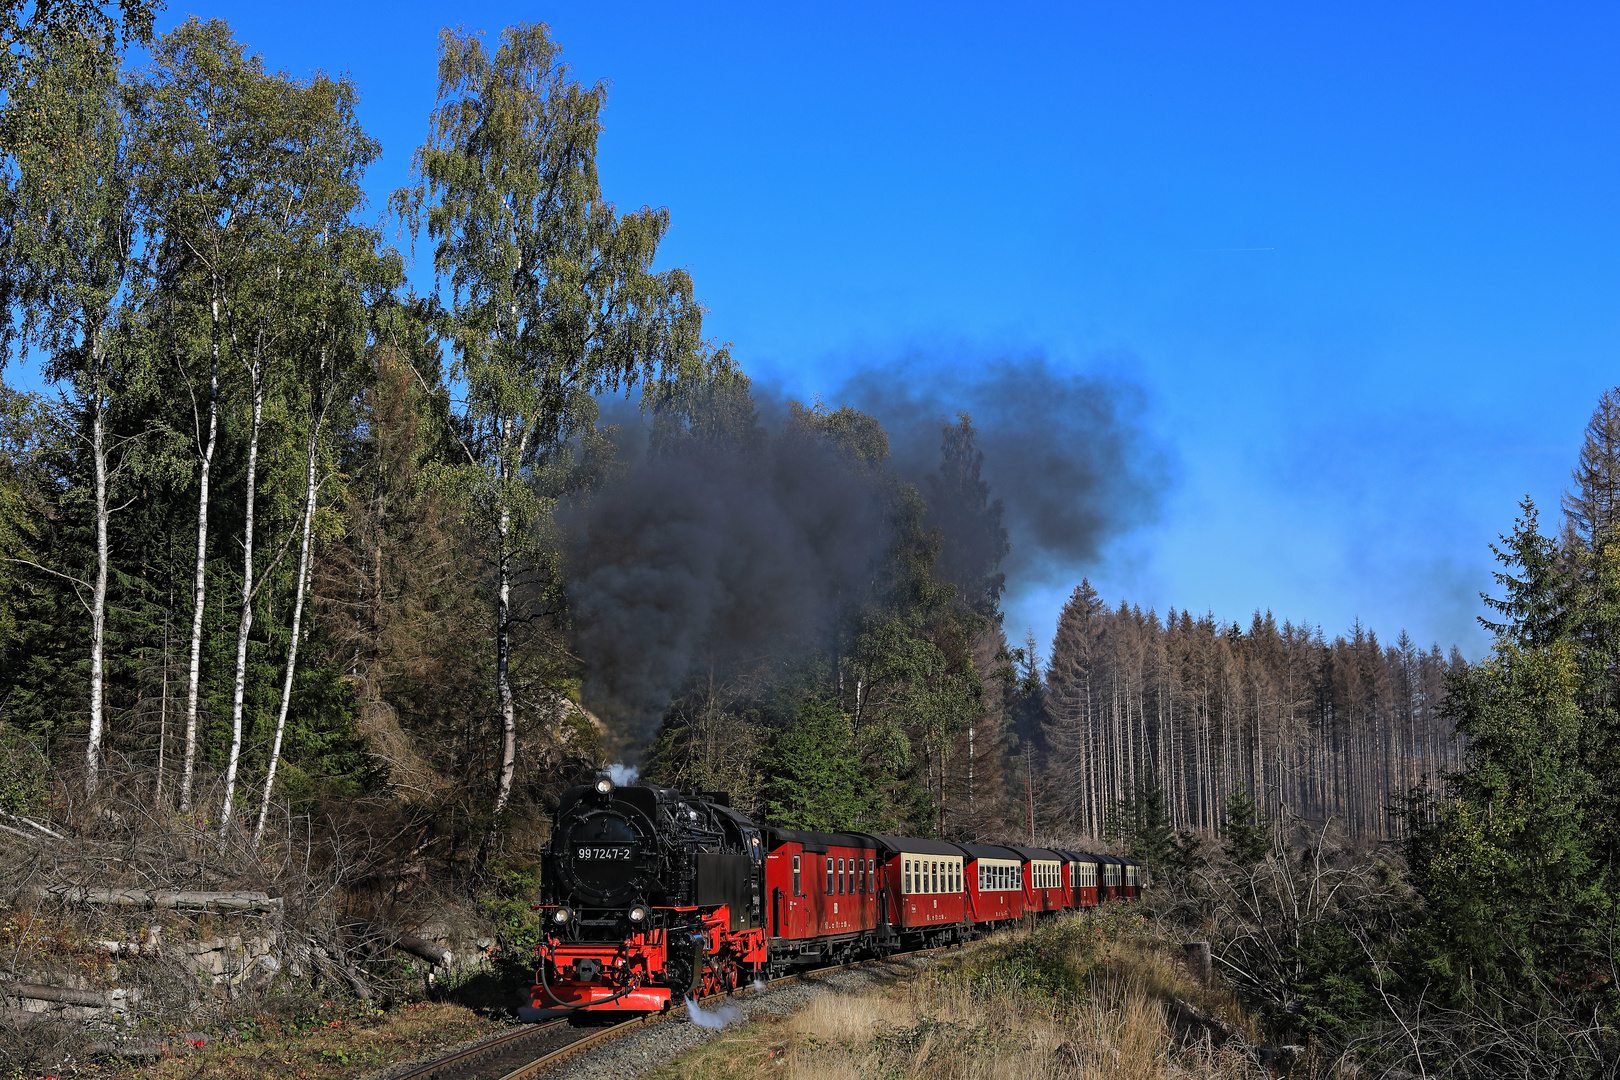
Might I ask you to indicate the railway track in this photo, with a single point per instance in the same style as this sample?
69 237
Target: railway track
533 1051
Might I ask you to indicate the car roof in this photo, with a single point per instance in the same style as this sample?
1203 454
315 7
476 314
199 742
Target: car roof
1043 854
989 851
914 844
818 841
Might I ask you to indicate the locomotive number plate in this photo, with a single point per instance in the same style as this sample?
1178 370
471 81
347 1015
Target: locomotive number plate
603 852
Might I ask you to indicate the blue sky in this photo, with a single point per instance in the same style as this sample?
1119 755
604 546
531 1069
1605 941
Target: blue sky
1361 259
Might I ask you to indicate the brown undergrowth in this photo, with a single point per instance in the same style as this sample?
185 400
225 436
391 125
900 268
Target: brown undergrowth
1090 995
331 1040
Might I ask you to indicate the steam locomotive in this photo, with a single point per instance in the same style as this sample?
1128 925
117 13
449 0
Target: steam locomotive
651 895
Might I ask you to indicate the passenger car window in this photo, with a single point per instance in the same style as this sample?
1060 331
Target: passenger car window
829 877
798 889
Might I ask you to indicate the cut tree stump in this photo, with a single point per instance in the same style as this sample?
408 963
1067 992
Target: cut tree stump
1198 960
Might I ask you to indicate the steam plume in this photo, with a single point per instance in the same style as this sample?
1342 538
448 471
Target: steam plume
1068 454
748 547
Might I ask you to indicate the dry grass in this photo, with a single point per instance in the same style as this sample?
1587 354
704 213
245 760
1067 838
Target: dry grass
1088 998
329 1042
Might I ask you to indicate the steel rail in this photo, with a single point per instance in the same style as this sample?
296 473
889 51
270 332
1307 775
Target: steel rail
556 1057
506 1044
477 1051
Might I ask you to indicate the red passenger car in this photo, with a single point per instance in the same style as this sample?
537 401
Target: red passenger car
1131 888
1110 878
995 883
1043 880
823 899
1080 878
923 889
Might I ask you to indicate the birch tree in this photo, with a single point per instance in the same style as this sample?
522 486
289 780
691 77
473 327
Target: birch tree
549 294
329 348
206 167
73 241
311 154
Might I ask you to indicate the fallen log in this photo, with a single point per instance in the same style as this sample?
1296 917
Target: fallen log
427 950
128 1050
53 834
236 900
430 951
60 994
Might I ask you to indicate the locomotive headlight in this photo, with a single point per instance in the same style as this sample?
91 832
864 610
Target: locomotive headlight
638 913
604 786
561 915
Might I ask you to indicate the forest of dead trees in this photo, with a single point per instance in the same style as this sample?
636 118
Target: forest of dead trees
1322 730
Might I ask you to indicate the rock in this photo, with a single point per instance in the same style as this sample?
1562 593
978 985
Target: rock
259 975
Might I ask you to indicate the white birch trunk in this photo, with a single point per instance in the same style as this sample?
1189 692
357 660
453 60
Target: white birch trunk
298 613
200 584
246 623
503 682
98 601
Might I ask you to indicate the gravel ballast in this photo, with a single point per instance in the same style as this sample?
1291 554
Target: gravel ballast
636 1052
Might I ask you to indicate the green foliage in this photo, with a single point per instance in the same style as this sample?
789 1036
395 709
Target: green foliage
814 777
515 884
1337 988
24 775
1153 838
1539 604
1245 834
1056 958
1516 864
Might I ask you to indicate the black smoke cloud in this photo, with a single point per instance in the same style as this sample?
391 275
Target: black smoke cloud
721 556
1070 455
732 556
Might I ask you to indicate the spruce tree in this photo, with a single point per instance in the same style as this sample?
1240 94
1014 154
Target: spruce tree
814 779
1245 834
1592 505
1154 841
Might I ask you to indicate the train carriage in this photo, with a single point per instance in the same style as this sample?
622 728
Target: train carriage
995 890
1080 879
922 888
1042 880
822 895
1110 878
1131 886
